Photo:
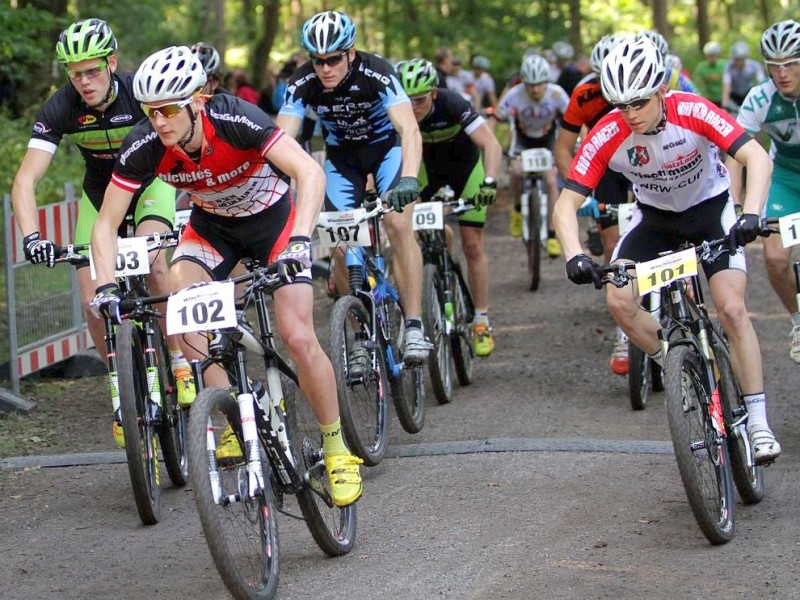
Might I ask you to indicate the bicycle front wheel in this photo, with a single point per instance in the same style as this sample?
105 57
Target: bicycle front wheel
700 450
461 340
333 528
362 388
239 522
408 384
534 242
140 421
747 475
434 314
640 376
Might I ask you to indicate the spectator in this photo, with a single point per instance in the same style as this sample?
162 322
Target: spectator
243 88
740 74
443 60
708 73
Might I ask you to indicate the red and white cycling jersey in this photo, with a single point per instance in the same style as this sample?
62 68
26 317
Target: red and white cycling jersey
672 170
232 178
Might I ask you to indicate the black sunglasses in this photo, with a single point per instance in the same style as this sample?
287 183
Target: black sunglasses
635 105
331 61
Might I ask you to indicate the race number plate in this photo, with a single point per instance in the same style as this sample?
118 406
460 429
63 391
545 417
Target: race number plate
790 230
132 258
662 271
203 307
335 227
428 215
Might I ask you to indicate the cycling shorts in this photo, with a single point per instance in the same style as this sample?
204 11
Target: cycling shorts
347 167
523 142
612 189
653 231
467 181
217 243
784 193
155 203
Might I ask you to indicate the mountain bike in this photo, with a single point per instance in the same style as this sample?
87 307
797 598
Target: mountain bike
447 307
533 205
367 337
141 375
705 408
280 452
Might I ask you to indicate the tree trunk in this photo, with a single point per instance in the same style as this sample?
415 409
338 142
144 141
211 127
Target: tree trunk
575 26
703 30
259 60
660 22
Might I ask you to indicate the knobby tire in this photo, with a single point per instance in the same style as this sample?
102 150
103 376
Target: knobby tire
408 389
440 359
461 341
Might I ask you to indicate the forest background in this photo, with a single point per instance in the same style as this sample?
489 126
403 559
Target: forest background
259 35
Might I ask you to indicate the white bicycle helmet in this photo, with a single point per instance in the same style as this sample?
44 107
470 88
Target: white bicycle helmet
535 69
563 50
740 49
480 62
328 32
171 73
632 71
712 49
781 40
659 41
209 57
601 49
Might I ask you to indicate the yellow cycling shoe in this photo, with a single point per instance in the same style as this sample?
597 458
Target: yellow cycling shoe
484 341
345 478
119 435
229 448
553 248
515 224
187 391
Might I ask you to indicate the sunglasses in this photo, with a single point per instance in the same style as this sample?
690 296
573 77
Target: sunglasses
331 61
420 99
782 66
92 73
166 110
635 105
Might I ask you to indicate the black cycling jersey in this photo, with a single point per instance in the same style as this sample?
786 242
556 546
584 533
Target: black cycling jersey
445 133
98 135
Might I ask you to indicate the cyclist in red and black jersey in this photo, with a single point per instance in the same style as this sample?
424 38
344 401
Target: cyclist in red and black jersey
236 164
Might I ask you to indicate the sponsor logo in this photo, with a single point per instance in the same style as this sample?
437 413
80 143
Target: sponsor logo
40 127
374 74
638 156
136 145
593 144
682 160
675 144
87 120
702 112
121 118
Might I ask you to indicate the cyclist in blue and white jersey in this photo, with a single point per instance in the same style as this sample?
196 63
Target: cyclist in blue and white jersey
369 128
773 107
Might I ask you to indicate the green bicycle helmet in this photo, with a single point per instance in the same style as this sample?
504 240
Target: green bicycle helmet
84 40
417 76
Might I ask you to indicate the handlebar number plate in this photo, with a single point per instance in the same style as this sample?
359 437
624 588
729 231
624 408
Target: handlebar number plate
662 271
790 230
428 215
203 307
132 258
335 227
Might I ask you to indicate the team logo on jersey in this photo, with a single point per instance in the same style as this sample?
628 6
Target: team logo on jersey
638 156
787 135
87 120
40 127
122 118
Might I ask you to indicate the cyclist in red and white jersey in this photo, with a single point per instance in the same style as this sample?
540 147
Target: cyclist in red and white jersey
667 144
236 164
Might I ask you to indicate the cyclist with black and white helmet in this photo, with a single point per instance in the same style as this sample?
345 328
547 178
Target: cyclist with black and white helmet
534 104
658 40
568 72
667 144
457 144
212 64
96 108
586 106
773 107
236 164
740 75
369 129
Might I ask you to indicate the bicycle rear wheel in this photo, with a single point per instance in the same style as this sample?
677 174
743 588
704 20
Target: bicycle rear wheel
172 433
748 476
533 244
700 450
640 376
461 338
141 420
363 401
241 531
440 366
408 387
333 528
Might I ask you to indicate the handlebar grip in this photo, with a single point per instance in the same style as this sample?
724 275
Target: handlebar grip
127 305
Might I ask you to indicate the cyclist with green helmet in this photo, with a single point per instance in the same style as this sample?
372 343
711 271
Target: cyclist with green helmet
95 109
453 138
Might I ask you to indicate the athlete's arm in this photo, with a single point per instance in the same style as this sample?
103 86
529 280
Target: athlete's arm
565 220
104 233
23 193
759 174
402 117
289 157
490 148
563 148
290 124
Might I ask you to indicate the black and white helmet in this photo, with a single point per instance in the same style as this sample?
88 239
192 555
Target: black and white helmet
659 41
534 70
740 49
781 40
563 50
601 49
209 57
632 71
171 73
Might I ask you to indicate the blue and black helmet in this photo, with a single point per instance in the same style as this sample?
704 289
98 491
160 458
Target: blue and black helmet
328 32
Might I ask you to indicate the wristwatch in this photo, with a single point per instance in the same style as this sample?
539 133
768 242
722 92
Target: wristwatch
490 181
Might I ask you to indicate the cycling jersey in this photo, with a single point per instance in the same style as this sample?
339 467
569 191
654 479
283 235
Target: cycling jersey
355 112
679 82
673 170
741 79
534 119
232 177
764 109
586 105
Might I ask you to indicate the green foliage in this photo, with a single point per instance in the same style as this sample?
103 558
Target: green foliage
21 45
